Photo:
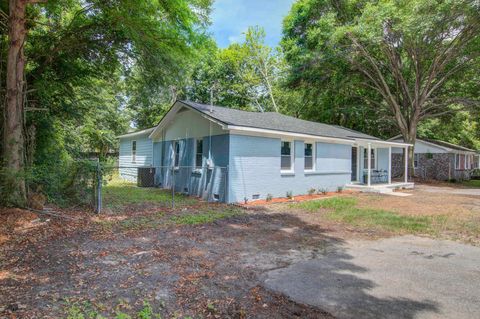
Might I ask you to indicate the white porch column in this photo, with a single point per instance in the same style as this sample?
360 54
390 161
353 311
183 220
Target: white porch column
389 164
369 162
406 164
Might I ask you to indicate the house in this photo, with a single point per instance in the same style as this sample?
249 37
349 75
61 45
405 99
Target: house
439 160
229 155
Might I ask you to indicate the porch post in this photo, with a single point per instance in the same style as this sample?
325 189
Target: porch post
369 162
406 164
389 164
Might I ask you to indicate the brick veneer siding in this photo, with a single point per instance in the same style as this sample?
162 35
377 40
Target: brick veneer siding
431 166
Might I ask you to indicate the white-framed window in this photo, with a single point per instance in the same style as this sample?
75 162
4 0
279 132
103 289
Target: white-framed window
286 162
134 151
365 158
309 155
176 154
415 160
460 161
199 153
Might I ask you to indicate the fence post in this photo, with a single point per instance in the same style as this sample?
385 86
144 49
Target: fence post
99 188
173 187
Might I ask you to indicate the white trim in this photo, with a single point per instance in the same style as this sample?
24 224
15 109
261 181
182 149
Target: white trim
379 143
245 130
314 156
406 164
142 132
292 158
369 163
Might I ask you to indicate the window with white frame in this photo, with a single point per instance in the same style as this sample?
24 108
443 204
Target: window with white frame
176 154
309 156
286 156
459 161
134 151
415 160
365 158
199 153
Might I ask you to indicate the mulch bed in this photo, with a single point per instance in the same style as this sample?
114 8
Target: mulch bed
295 199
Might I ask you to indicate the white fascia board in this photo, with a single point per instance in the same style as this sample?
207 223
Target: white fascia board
165 120
245 130
138 133
363 142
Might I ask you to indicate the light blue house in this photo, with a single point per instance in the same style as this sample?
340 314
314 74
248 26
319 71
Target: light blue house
228 155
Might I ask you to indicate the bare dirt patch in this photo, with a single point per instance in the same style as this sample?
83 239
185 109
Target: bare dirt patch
209 269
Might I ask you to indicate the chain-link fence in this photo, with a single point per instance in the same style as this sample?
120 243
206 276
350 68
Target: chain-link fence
131 184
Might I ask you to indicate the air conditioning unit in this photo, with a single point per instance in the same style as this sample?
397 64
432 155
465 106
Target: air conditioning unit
146 177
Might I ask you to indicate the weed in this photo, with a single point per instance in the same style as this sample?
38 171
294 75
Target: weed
311 191
339 189
204 217
323 191
269 197
289 194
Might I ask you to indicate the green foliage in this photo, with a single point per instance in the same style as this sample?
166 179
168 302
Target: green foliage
269 197
329 203
86 310
289 195
311 191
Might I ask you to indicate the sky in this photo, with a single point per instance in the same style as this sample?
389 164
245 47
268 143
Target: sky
231 18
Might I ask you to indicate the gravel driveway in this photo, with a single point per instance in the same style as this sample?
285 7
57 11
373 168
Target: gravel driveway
401 277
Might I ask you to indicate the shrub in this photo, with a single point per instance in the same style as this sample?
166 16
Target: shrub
311 191
269 197
323 191
289 194
339 189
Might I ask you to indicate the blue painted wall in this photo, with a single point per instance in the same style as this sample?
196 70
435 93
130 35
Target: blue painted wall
144 156
208 181
255 168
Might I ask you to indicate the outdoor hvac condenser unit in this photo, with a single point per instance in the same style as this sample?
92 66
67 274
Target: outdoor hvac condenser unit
146 177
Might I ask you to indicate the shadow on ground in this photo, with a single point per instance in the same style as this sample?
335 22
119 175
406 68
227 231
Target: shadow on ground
211 269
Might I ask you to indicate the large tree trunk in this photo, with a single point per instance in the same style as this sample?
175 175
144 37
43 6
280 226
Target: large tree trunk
13 125
410 137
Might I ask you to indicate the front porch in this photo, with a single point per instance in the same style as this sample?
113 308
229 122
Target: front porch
372 166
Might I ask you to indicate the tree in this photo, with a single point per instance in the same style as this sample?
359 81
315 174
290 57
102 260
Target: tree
409 59
73 45
260 60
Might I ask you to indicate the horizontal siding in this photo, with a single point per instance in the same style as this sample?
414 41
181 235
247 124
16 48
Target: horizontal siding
144 156
255 168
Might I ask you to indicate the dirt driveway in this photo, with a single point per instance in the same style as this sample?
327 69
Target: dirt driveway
218 262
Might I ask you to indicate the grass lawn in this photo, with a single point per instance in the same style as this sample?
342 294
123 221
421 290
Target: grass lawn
475 183
346 210
118 193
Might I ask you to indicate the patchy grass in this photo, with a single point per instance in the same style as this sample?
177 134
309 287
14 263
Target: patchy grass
87 310
118 193
475 183
208 216
329 203
345 210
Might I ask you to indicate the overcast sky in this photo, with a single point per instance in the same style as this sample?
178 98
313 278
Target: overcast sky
231 18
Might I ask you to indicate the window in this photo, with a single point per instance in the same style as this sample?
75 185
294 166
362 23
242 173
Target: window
134 151
415 160
365 158
176 150
199 153
286 156
459 161
309 157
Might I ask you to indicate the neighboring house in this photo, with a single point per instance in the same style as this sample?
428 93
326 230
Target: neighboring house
439 160
229 155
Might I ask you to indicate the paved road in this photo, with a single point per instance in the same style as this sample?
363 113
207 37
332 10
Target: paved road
401 277
448 190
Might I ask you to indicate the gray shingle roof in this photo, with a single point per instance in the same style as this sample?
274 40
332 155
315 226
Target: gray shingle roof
275 121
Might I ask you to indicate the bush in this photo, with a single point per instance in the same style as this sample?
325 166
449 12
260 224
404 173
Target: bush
289 194
269 197
311 191
339 189
65 183
323 191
